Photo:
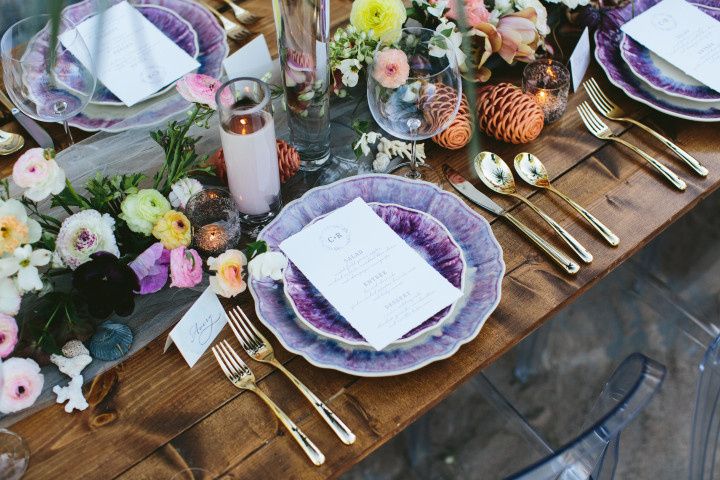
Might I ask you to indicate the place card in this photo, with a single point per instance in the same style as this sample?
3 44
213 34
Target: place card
198 327
580 59
372 277
134 59
683 35
252 60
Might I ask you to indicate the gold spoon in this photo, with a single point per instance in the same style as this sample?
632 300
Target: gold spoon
531 169
10 142
496 174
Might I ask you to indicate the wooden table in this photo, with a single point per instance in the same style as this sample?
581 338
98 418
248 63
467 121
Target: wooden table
152 416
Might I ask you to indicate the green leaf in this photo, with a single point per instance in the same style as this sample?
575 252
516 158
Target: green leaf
255 248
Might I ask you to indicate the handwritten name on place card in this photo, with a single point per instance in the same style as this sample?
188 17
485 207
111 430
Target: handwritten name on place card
196 330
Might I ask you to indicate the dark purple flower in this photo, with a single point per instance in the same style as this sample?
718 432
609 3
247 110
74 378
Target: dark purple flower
152 268
107 285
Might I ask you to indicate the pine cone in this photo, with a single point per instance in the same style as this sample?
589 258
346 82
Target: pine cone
508 114
288 160
438 107
217 162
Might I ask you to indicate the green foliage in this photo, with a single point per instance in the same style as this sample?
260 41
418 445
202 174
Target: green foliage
107 193
255 248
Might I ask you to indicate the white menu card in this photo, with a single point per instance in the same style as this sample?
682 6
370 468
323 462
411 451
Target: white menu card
133 58
372 277
683 35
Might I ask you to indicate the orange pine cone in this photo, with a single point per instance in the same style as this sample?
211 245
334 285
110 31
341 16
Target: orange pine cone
508 114
288 160
438 107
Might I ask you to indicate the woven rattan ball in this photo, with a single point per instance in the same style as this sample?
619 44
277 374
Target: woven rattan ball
439 107
288 160
508 114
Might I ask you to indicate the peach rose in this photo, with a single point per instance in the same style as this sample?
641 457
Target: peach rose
391 68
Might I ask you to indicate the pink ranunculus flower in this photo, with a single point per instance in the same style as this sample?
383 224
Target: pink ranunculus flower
185 268
391 68
8 335
39 174
199 88
151 268
22 384
475 12
228 280
519 35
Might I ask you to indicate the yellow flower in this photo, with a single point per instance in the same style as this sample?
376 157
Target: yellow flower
228 280
173 230
384 17
13 233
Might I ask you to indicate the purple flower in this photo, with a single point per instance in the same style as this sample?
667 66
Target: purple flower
152 267
106 285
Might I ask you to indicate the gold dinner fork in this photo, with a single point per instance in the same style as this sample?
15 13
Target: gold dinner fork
232 30
259 349
242 377
611 110
243 15
598 128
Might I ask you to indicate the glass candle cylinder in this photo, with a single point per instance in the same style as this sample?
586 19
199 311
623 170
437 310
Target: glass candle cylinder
247 133
215 221
548 81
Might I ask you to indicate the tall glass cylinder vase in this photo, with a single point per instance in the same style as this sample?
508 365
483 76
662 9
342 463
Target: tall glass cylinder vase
247 133
303 32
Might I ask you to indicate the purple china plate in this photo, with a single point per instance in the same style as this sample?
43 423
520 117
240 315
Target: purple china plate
609 55
662 75
481 286
212 50
423 233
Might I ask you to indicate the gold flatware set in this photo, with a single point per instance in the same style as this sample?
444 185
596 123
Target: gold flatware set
259 349
233 30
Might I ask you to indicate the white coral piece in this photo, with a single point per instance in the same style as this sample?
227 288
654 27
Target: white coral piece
71 366
381 162
72 394
398 148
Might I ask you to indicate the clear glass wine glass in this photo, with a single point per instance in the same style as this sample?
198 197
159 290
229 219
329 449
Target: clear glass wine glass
50 81
414 89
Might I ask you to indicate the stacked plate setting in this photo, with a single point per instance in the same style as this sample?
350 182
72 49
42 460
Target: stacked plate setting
646 77
454 239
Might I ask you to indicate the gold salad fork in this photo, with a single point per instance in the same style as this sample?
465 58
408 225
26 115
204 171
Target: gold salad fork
232 30
242 377
611 110
243 15
598 128
259 349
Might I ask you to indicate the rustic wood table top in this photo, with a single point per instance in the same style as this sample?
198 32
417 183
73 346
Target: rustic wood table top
152 416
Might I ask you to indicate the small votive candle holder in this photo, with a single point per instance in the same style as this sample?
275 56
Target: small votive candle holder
215 221
548 81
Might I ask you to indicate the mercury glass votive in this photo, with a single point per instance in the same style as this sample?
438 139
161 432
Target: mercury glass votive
215 221
548 81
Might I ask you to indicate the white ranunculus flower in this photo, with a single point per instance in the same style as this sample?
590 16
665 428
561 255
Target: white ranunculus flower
268 264
83 234
349 69
10 297
182 190
39 174
453 47
24 261
437 9
18 229
541 21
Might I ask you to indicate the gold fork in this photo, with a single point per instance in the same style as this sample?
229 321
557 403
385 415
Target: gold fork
242 377
243 15
611 110
598 128
259 349
232 30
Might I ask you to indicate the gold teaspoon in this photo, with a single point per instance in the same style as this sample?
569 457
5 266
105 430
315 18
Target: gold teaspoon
10 142
531 169
496 174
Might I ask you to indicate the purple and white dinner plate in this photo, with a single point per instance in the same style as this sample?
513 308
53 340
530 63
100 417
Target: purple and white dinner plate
608 54
423 233
212 50
481 286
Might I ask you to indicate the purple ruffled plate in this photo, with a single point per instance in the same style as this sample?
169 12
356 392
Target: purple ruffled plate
212 50
423 233
664 76
608 55
482 281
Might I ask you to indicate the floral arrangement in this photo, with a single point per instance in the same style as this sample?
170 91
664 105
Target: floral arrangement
508 30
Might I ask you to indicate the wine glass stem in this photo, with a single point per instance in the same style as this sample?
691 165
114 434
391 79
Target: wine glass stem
68 133
413 161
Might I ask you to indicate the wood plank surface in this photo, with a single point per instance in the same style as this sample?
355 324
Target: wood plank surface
152 416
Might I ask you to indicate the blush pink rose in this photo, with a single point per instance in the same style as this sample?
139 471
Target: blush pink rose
8 335
199 88
475 12
22 384
391 68
39 174
228 280
185 268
